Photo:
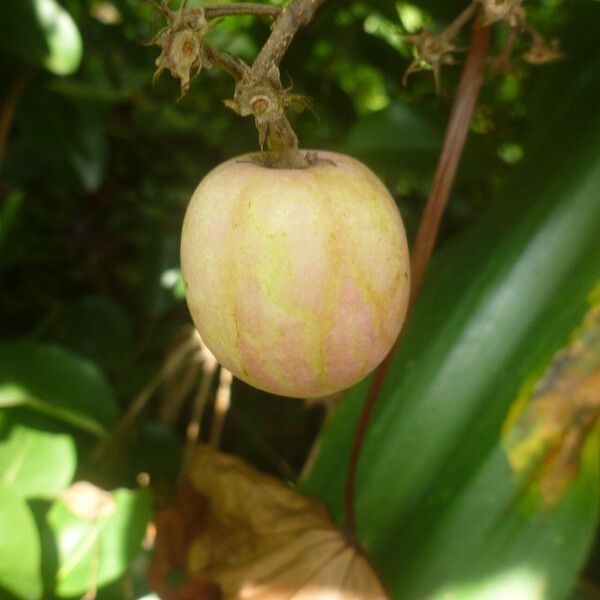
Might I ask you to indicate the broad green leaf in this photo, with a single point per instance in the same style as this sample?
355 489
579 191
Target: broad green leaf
56 382
20 573
35 462
98 534
41 32
96 328
442 505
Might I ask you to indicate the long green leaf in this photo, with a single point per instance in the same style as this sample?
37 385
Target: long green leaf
440 508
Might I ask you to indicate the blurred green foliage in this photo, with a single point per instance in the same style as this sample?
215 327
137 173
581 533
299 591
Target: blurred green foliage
96 170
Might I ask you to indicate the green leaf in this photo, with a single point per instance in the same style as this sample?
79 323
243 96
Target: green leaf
35 462
8 214
96 328
20 573
400 129
441 509
58 139
41 32
412 138
56 382
97 539
400 134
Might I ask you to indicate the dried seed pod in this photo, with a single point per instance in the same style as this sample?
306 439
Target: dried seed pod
510 11
542 52
267 100
183 50
433 50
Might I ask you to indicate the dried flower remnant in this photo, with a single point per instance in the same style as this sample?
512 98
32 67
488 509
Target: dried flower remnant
437 50
248 535
542 52
182 41
432 50
494 11
266 100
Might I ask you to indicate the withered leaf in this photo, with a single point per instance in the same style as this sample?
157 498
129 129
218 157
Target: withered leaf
547 428
240 534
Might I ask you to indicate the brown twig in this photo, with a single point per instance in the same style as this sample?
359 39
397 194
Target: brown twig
282 137
209 368
258 90
293 16
222 403
232 66
452 30
245 8
230 10
454 142
456 134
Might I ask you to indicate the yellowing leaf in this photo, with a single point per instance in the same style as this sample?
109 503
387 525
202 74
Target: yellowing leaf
240 534
544 441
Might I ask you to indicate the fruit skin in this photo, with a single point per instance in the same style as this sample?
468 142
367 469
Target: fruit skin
297 279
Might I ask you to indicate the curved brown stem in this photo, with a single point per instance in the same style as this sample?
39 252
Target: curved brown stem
454 141
293 16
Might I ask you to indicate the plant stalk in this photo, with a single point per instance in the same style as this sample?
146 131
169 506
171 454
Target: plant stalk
445 174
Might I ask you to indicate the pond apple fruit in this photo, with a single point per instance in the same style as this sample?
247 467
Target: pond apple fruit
297 279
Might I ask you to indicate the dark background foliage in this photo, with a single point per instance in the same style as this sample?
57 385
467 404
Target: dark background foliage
98 166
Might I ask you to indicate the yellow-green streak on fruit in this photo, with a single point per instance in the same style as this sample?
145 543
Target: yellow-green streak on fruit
297 279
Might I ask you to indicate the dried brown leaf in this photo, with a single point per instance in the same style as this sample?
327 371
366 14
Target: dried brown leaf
249 536
548 426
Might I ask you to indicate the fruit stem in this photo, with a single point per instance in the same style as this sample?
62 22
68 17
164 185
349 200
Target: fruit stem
454 141
292 17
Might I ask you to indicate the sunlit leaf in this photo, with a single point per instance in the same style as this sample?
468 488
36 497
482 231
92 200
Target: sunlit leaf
58 383
236 533
97 533
19 548
42 32
33 461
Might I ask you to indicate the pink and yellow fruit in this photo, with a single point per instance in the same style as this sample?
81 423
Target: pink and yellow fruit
297 279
